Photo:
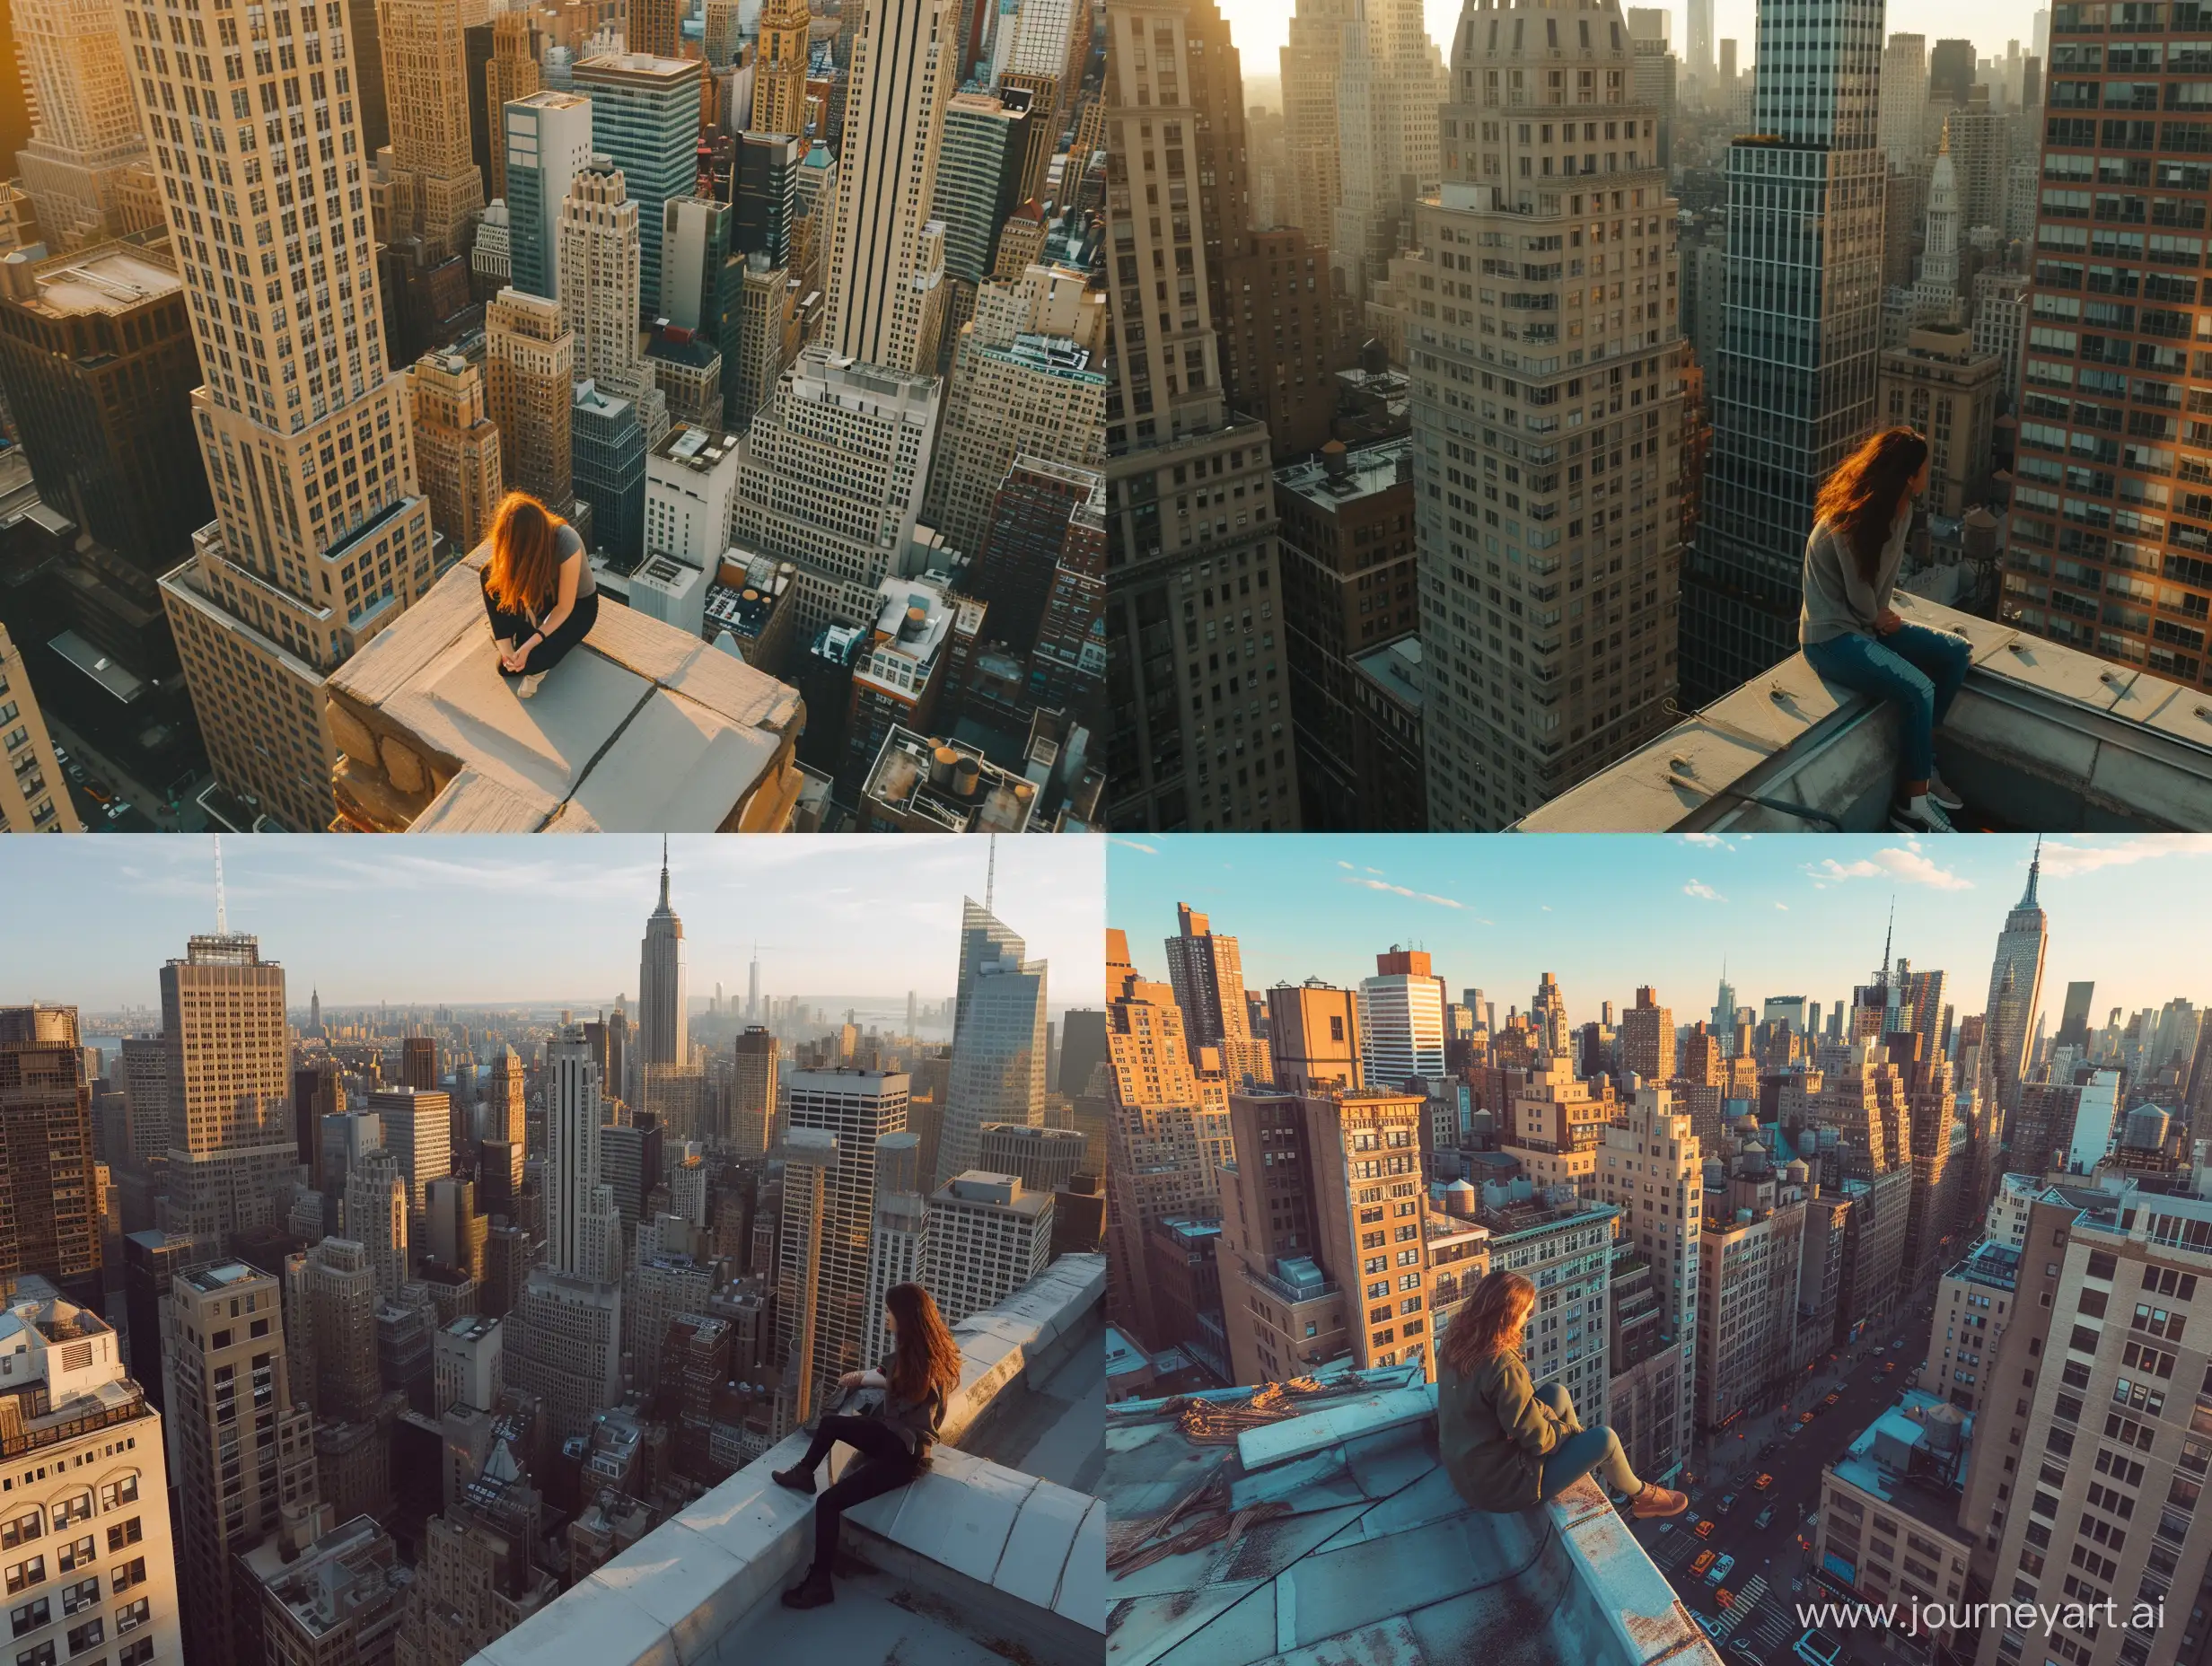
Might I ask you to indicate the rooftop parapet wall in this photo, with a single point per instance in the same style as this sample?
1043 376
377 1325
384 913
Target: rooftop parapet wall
2042 736
641 727
1010 1557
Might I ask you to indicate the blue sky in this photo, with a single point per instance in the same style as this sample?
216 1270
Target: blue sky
1793 915
1258 25
89 920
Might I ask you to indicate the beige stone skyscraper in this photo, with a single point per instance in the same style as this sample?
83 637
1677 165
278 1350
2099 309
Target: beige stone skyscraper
768 338
1389 85
885 289
456 445
319 538
430 184
530 358
779 72
231 1148
1311 59
656 27
226 1373
79 167
598 255
513 72
33 794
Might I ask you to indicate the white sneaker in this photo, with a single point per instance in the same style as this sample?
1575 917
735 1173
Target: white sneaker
529 685
1941 791
1919 815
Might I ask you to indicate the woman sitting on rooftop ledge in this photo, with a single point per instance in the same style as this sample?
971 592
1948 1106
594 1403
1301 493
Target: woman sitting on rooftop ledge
1507 1444
537 590
1852 635
905 1398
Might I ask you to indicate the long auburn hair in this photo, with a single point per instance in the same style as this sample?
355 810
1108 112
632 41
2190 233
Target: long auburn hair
925 1357
1860 498
1490 1323
524 574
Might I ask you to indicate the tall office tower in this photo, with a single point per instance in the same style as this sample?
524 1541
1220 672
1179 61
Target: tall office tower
630 1164
1647 1038
1201 749
779 69
599 242
721 33
1051 511
428 177
419 1061
1700 42
1651 1169
512 73
418 1124
1311 61
832 479
988 1235
226 1373
548 141
655 27
884 298
330 1300
1902 103
377 1216
49 1218
1401 1020
1950 71
1750 1252
500 1112
563 1344
491 258
530 358
1025 379
2078 570
979 164
1522 701
769 167
645 117
96 362
69 1402
898 1236
697 281
1206 969
456 445
2015 991
78 166
583 1231
660 1017
760 339
608 454
998 1042
754 1089
34 797
1388 87
368 63
2073 1024
257 610
853 1108
232 1154
1799 352
1313 1037
317 1091
1041 1158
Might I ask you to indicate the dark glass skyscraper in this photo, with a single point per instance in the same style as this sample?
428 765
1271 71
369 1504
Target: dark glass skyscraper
1801 332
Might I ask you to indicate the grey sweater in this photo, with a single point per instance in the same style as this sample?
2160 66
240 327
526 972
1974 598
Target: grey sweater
1837 602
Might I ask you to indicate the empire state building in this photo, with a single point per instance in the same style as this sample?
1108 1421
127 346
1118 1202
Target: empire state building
660 984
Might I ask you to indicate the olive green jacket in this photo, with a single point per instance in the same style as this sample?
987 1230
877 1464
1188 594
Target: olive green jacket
1494 1433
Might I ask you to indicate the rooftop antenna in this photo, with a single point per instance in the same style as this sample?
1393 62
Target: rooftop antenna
1888 937
222 927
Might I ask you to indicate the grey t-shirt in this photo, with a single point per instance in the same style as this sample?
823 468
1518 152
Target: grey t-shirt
1838 600
569 547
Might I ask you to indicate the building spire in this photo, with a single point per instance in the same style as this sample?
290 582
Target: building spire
664 874
1888 937
2035 869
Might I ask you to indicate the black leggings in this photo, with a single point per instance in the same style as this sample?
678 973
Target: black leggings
885 1465
518 627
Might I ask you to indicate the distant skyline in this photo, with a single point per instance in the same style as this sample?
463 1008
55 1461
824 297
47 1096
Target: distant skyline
1794 913
1259 26
539 918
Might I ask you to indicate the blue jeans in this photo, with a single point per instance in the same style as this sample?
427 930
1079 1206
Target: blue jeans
1583 1450
1920 670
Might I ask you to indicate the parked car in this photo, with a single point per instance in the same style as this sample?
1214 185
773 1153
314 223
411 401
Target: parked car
1703 1560
1817 1648
1708 1625
1765 1518
1725 1597
118 808
1803 1418
1705 1529
1720 1570
1832 1399
1727 1503
1763 1482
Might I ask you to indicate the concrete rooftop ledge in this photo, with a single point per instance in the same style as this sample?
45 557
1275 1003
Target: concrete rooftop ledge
971 1562
1343 1540
2042 736
641 727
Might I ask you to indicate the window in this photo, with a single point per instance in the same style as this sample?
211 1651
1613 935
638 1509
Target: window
121 1491
41 1655
81 1595
124 1533
76 1555
67 1511
38 1612
22 1529
23 1575
128 1619
90 1634
128 1573
138 1653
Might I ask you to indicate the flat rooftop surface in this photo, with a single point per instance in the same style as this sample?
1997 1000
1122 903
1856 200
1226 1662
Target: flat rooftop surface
877 1620
1052 1431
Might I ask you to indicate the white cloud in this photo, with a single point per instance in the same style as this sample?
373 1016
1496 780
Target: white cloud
1783 906
2063 861
1711 841
1402 891
1905 865
1131 843
1699 887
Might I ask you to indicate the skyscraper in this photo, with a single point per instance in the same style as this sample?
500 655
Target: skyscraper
645 117
418 1124
661 1015
427 177
456 445
546 140
1310 60
1206 969
855 1108
1401 1020
1903 106
656 27
84 167
779 69
530 359
583 1232
1520 700
378 1217
988 1235
512 73
884 298
998 1040
1389 87
752 1089
231 1152
1801 337
49 1213
2016 990
896 1239
1199 751
599 243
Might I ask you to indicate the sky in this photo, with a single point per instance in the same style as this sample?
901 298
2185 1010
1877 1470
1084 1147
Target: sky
1793 914
539 918
1258 25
